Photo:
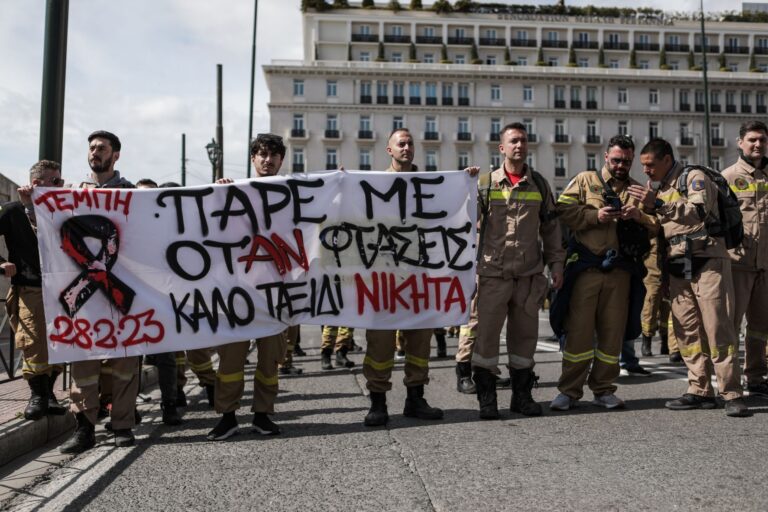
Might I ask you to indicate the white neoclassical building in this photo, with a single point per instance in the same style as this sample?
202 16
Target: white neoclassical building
455 79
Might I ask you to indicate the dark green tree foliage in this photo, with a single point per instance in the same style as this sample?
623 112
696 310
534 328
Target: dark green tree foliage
507 57
394 6
463 5
473 55
663 59
412 54
368 4
721 61
442 6
444 55
381 56
571 57
633 59
340 4
540 57
752 65
601 58
416 5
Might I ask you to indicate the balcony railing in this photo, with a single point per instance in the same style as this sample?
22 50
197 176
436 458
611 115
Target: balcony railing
298 132
736 49
461 40
559 172
430 168
464 136
431 100
398 100
591 105
699 107
331 166
715 108
414 100
431 135
463 102
686 141
761 109
731 109
366 99
429 40
594 45
533 138
718 142
562 138
364 134
746 109
382 100
615 46
576 104
365 38
647 47
364 167
491 41
594 139
493 136
685 107
332 134
554 44
389 38
712 48
447 101
523 43
297 168
761 50
559 103
670 47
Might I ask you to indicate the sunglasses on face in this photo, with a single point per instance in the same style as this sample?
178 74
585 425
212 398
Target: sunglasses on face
623 161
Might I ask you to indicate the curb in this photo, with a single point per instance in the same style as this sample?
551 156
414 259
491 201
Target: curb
19 436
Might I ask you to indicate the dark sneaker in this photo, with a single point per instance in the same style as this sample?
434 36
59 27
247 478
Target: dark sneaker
736 408
124 438
760 389
226 428
298 351
263 425
634 371
290 370
689 401
675 358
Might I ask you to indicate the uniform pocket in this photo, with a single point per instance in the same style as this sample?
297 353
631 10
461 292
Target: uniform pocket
537 292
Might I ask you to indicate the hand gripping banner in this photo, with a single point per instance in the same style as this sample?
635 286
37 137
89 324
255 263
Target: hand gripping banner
129 272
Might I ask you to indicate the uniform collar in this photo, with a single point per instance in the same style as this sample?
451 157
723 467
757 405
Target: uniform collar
747 166
500 175
673 174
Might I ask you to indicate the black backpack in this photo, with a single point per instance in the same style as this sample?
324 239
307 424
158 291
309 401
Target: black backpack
728 224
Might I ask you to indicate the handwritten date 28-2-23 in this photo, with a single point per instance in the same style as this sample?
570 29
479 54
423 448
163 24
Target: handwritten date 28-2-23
104 333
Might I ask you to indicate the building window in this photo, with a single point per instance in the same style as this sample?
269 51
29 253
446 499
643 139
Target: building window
463 125
398 92
396 30
365 160
674 65
623 128
531 160
613 38
522 61
298 123
716 163
592 136
431 160
460 59
429 31
684 99
463 159
495 92
495 159
528 123
653 129
592 97
583 37
643 64
495 128
430 89
331 159
591 161
414 91
559 128
297 159
397 122
365 123
365 30
622 96
552 61
491 60
447 93
365 56
463 90
583 62
715 133
459 33
552 36
527 94
429 58
365 92
298 87
560 165
613 64
382 92
430 125
396 57
644 39
653 96
522 35
332 122
683 159
330 88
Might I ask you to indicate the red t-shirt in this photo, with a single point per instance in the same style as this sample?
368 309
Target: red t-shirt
513 178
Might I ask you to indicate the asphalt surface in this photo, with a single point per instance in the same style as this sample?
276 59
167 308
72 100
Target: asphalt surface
641 458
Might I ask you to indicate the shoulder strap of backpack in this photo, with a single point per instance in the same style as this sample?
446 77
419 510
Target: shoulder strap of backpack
547 212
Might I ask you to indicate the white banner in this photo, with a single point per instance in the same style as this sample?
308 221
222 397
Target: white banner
129 272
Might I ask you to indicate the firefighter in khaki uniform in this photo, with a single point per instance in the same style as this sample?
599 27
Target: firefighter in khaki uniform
336 340
748 179
655 309
601 292
380 352
267 153
702 302
202 366
511 285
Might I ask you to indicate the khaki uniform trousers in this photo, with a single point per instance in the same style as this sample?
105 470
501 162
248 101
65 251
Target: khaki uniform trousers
702 312
230 379
598 303
124 383
291 335
199 362
751 290
517 302
24 305
651 316
468 335
337 337
380 358
671 339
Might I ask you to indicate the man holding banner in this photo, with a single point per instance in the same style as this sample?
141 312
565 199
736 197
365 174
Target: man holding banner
267 153
103 152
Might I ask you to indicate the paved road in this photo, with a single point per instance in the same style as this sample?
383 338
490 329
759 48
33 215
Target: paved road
643 458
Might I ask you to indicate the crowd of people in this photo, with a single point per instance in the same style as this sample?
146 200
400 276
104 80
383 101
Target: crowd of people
625 259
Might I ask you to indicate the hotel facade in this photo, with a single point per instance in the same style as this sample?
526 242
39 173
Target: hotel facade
455 79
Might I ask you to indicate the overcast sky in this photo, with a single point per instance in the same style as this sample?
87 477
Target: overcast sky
146 70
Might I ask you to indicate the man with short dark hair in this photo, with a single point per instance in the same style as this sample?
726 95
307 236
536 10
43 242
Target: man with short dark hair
700 282
267 153
520 235
748 178
601 277
103 152
24 303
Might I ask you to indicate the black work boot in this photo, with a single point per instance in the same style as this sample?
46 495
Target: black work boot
417 407
181 397
485 382
325 359
54 407
645 349
210 394
170 414
377 415
664 348
442 350
464 382
341 359
124 438
82 439
502 382
37 407
523 381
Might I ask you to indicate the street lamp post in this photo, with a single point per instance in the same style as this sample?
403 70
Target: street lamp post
214 156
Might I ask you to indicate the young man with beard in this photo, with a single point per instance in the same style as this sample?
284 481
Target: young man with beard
748 178
702 298
267 153
24 303
103 152
598 277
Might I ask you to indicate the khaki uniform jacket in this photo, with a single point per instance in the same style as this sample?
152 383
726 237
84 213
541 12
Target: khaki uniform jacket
750 185
514 233
580 201
679 215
